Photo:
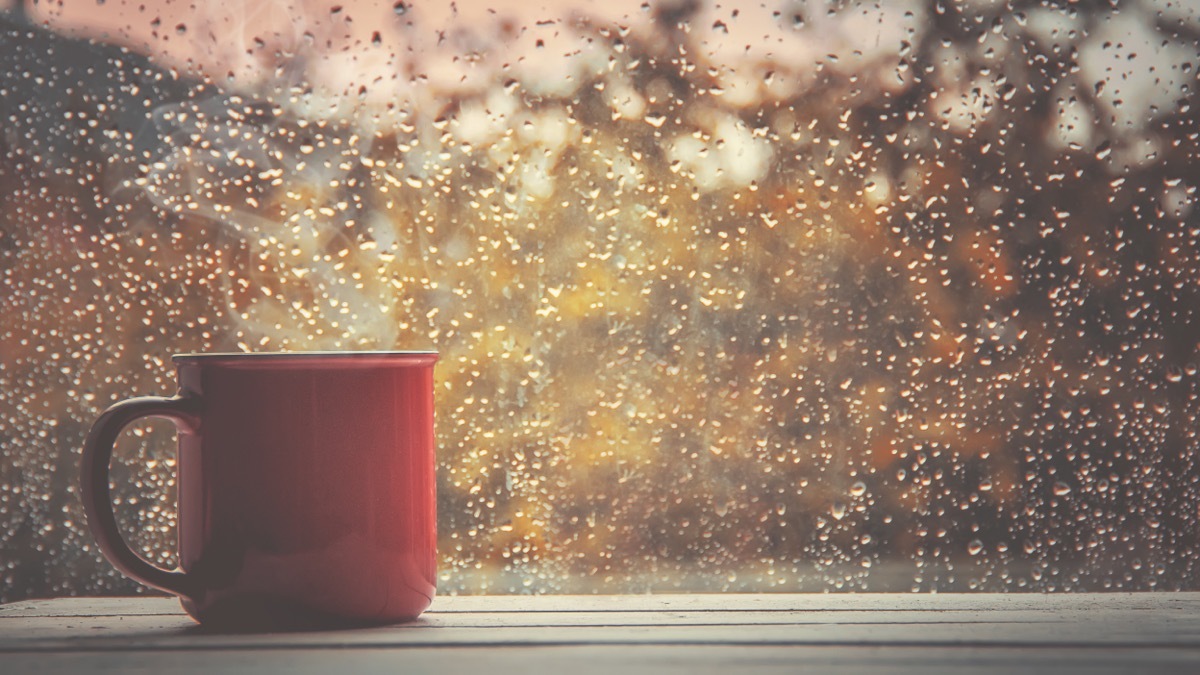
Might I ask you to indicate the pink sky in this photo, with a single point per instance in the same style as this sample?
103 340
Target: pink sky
463 45
454 37
224 36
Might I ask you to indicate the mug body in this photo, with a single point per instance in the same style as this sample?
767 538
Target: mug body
308 489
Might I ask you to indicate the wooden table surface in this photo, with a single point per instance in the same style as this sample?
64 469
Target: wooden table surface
1093 633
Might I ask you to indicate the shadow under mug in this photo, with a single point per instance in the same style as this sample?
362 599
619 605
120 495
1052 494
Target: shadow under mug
305 483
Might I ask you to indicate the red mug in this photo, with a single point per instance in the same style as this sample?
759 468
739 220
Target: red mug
305 481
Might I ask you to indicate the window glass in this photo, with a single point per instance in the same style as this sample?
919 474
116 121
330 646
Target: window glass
779 296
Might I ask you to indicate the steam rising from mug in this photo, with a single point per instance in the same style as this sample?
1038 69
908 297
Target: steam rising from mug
287 190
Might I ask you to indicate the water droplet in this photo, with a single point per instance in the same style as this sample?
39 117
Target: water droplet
838 510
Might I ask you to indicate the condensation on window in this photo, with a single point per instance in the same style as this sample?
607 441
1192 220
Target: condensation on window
779 296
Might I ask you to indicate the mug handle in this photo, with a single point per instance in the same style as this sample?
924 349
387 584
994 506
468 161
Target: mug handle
97 500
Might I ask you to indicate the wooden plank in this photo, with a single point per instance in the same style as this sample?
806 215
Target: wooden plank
787 602
877 602
143 634
638 634
66 607
1120 622
635 660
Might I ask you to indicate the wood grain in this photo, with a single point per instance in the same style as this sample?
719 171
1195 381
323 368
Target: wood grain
1092 632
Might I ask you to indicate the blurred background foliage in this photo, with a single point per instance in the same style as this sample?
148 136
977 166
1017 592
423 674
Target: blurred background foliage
805 296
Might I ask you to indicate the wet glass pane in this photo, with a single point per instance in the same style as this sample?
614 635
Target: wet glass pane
777 296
